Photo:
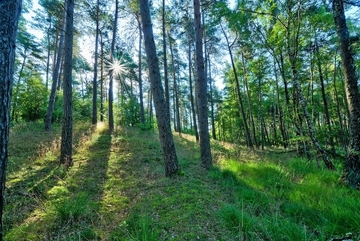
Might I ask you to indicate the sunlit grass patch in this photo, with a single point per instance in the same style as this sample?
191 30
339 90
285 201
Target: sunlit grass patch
73 208
116 190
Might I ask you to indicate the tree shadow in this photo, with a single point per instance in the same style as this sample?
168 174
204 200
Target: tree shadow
35 214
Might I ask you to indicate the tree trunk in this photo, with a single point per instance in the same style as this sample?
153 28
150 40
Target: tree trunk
111 79
177 123
240 101
248 95
15 93
163 117
213 131
166 77
66 134
56 74
323 94
48 53
280 112
343 133
191 92
351 172
292 50
9 18
94 107
102 110
141 97
201 93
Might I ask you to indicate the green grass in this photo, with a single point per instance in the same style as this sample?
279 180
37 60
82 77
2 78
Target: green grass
116 190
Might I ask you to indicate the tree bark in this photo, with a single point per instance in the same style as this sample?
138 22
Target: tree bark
248 95
67 125
240 101
201 93
166 77
111 79
56 74
177 122
94 103
141 97
292 50
191 92
343 132
163 117
102 110
323 94
9 18
213 130
351 171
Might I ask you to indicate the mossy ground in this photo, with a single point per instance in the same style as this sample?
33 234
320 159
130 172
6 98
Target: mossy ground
116 190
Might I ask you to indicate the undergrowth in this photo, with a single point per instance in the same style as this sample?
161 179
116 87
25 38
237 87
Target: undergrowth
116 190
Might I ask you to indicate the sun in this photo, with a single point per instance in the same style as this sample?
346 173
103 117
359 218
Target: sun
116 67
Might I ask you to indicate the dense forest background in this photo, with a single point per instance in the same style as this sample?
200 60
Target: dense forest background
250 50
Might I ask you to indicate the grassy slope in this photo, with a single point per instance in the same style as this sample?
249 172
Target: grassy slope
116 190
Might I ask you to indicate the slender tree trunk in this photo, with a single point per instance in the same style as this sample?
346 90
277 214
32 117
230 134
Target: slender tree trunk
17 87
67 125
102 110
111 79
323 94
343 133
166 77
176 90
142 113
205 150
9 18
191 93
351 172
280 112
211 101
48 53
163 117
240 101
150 107
61 74
56 74
94 103
292 49
261 117
248 95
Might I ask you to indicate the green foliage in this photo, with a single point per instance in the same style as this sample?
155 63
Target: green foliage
58 108
82 108
128 114
32 99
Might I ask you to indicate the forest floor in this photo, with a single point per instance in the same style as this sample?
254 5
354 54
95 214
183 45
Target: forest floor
116 190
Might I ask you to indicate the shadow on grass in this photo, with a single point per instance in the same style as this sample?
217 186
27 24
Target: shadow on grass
117 191
255 199
76 204
60 200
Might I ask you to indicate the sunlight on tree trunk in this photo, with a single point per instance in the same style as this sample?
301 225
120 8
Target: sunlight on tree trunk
56 74
67 125
201 91
162 115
